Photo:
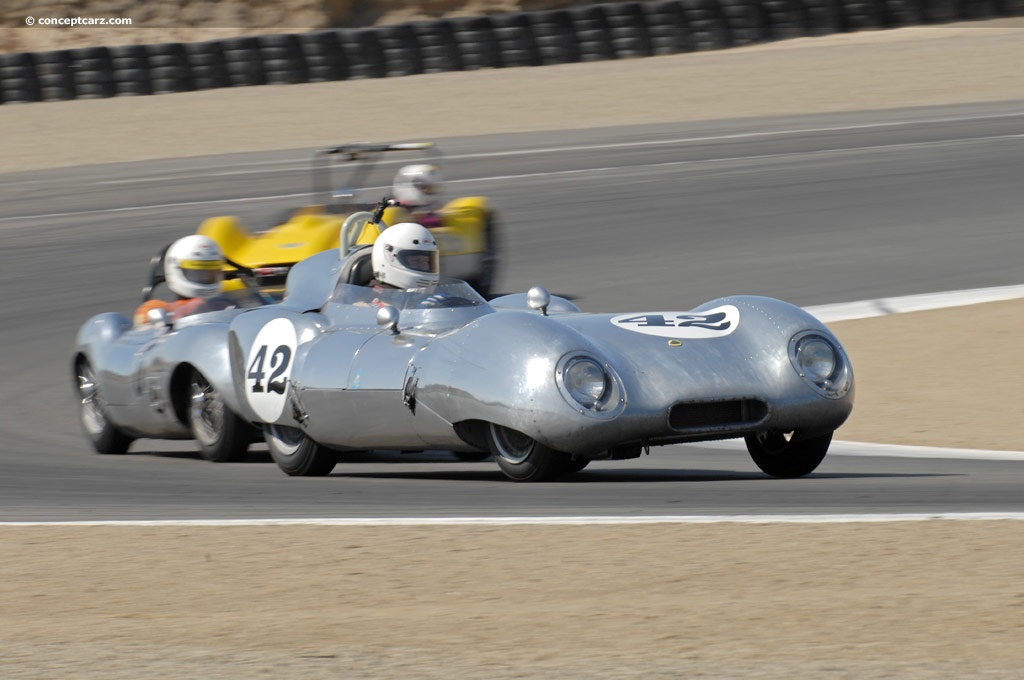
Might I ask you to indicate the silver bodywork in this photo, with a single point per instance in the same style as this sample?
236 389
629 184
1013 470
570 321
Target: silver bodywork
321 361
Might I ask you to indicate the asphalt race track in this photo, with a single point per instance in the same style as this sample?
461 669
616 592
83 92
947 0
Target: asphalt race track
813 209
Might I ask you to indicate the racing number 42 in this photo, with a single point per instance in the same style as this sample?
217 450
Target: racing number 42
279 360
716 321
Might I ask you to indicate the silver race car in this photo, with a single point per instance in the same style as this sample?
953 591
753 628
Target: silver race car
528 378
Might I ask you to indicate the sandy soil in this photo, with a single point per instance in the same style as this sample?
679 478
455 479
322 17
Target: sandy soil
913 600
969 403
903 600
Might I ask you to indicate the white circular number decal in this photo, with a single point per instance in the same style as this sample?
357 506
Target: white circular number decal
714 323
269 368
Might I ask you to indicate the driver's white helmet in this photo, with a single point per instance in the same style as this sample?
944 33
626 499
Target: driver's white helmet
405 256
194 266
418 186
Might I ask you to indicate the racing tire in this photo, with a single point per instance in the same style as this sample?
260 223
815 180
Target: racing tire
785 459
221 435
571 465
296 454
522 458
106 438
514 34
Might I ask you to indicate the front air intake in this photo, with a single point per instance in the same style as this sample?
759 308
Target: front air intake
713 415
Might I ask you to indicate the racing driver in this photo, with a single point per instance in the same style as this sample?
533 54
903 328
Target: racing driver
194 270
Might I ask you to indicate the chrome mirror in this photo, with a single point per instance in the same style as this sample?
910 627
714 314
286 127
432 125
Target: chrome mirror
387 317
538 297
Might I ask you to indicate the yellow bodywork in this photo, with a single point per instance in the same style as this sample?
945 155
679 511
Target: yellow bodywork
312 229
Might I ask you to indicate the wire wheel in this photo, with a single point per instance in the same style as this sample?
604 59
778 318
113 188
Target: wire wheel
105 437
206 412
93 418
221 435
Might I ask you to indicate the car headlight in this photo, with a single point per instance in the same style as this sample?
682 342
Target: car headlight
821 363
589 385
585 380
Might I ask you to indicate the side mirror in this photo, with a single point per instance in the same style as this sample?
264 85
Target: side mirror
387 317
538 297
159 315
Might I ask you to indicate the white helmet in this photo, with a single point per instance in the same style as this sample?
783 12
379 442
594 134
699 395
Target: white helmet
417 186
405 256
194 266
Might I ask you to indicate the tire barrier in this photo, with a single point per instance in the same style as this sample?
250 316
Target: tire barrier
581 33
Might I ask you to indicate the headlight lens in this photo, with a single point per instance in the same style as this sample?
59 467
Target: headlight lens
816 358
822 363
590 386
585 381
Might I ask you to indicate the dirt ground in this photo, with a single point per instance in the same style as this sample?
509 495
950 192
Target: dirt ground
931 599
904 600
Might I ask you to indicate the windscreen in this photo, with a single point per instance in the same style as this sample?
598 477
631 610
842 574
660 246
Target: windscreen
450 293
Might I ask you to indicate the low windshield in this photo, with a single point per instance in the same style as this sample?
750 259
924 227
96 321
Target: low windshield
449 293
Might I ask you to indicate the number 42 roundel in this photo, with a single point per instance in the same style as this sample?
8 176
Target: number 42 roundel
268 369
713 323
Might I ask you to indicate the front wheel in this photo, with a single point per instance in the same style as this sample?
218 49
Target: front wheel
779 456
522 458
222 436
105 437
296 454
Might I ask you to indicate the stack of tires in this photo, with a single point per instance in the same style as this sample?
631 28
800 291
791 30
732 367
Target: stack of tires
130 69
19 79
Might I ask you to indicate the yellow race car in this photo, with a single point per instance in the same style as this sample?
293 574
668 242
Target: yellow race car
465 228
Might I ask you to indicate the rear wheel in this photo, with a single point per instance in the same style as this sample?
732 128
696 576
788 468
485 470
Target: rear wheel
222 436
779 456
106 438
296 454
522 458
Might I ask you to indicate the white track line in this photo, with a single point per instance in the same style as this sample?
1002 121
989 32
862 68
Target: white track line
863 309
868 450
546 521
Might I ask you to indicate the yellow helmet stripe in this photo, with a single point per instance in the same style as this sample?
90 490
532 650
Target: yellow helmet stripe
202 264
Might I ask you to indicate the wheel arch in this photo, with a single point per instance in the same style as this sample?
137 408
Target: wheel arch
179 391
180 394
473 432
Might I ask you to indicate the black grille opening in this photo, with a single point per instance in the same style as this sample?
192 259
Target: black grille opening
714 414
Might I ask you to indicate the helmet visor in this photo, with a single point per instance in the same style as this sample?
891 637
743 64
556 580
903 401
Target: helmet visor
425 186
419 260
203 272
